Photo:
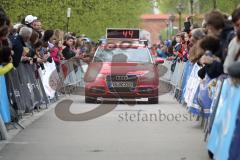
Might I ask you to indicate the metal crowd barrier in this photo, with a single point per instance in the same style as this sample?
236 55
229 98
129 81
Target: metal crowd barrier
25 88
167 76
71 74
29 87
175 77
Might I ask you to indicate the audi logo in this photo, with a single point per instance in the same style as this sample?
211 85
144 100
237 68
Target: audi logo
121 78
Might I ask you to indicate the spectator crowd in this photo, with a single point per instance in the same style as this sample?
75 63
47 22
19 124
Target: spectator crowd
26 49
211 76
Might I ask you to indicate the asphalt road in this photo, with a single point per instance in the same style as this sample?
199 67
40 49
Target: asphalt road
129 132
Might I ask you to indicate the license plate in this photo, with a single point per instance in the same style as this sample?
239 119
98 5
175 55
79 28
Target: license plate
122 84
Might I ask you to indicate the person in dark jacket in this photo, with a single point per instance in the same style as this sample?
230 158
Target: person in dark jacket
18 43
210 45
5 46
219 27
4 28
68 50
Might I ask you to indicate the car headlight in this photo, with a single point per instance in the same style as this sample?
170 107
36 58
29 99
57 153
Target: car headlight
100 75
147 75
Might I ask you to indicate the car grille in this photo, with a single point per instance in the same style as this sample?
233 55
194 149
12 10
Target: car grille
128 79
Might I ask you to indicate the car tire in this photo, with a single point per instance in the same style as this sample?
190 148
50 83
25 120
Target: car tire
90 99
153 100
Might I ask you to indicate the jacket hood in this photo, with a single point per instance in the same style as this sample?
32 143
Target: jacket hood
228 27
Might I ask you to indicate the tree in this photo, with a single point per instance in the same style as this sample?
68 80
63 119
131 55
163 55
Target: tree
169 6
90 17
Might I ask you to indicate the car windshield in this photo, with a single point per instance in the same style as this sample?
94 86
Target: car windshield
123 55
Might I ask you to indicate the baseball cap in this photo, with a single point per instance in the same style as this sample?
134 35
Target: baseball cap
29 19
87 39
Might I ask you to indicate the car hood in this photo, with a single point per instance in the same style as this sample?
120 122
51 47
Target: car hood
98 69
125 68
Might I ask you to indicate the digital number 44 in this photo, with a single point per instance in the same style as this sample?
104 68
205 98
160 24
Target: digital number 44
128 34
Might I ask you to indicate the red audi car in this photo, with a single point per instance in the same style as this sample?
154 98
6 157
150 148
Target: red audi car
122 69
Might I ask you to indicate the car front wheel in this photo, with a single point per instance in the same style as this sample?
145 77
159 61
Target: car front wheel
90 99
153 100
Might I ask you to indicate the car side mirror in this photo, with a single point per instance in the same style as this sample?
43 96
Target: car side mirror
159 61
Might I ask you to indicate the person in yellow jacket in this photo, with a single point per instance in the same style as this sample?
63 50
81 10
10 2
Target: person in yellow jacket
5 60
6 68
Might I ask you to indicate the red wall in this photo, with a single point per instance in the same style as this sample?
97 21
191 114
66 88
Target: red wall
154 27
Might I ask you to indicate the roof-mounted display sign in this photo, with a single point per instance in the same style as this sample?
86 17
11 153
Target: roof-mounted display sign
114 33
